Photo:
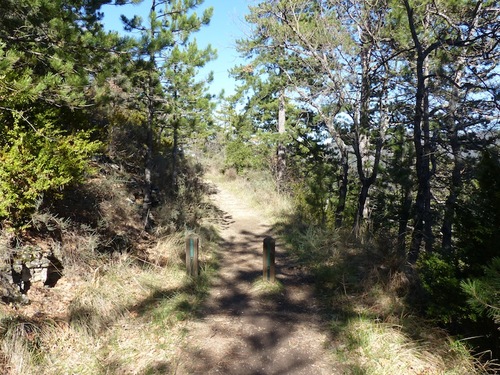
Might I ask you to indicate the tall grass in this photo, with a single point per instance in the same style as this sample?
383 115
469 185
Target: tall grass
130 294
126 320
258 189
362 290
374 347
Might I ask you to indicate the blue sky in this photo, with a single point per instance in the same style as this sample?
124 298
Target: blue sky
226 26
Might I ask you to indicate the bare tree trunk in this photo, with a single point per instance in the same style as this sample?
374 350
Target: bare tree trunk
430 168
175 157
421 141
343 183
404 217
361 129
175 148
148 184
456 174
362 197
148 170
281 153
455 186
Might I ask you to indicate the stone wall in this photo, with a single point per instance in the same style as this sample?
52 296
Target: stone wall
23 265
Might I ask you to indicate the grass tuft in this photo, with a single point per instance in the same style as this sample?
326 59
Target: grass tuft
374 347
267 289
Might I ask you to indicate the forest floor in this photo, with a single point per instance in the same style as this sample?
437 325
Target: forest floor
243 331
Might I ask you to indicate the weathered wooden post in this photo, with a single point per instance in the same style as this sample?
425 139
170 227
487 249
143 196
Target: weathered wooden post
269 269
192 244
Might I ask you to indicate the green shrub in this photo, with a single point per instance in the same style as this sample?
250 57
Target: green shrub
36 162
445 297
242 155
484 292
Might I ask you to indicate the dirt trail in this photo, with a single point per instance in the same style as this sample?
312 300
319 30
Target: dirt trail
242 333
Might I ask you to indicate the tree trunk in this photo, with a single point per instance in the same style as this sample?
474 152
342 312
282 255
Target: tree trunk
421 139
343 182
148 184
175 156
175 147
148 170
281 152
429 160
456 174
404 217
362 197
364 128
455 186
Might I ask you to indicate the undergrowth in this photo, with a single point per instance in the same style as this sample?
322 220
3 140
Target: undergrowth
362 288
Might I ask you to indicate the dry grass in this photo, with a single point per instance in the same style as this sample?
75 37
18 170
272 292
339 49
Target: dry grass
111 330
126 320
372 347
161 254
375 331
256 188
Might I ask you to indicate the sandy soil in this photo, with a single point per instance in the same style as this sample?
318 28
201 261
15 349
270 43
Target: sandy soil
240 332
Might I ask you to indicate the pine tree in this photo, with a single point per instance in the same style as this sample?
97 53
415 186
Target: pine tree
48 63
164 70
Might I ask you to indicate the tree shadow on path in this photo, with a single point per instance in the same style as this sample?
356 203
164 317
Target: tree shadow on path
242 332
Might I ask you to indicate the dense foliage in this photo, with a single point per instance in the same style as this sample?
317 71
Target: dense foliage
70 90
46 79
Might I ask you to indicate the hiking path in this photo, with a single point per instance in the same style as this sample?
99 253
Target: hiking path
240 331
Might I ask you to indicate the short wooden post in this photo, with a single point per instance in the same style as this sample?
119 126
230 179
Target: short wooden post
192 245
269 269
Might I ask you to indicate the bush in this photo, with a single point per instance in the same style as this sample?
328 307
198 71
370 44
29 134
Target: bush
36 162
241 155
445 297
484 295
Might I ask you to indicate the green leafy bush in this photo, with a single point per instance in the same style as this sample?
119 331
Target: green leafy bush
241 155
445 297
36 162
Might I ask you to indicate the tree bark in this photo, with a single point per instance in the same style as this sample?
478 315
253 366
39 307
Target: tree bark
361 128
148 168
421 139
404 217
175 157
343 183
281 152
456 174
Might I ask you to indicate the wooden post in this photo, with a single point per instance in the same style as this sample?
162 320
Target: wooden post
269 269
192 244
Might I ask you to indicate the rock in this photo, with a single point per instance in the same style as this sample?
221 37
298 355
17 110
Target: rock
26 265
